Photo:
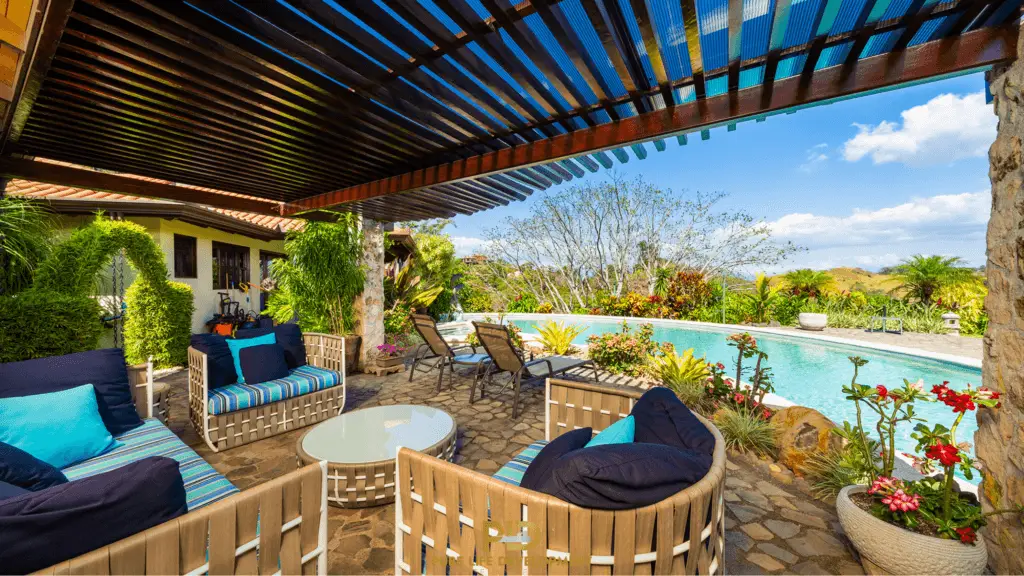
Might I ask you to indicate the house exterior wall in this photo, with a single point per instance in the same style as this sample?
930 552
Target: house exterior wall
207 301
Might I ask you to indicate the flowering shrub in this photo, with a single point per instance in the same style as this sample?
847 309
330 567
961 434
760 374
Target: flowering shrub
930 505
387 350
632 304
686 293
627 352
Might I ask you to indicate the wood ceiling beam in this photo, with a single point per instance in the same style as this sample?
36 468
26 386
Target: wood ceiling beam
973 50
91 180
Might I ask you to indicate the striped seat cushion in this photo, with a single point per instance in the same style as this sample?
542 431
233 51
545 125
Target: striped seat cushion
302 380
203 484
513 471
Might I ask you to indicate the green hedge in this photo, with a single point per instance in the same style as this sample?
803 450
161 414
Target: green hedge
158 322
34 324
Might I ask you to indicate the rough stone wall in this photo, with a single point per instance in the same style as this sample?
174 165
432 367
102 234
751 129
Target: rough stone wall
370 304
1000 438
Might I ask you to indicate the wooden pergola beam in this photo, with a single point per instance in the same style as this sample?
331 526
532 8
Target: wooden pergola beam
91 180
973 50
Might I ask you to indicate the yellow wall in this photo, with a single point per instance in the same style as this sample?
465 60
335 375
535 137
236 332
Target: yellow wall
206 298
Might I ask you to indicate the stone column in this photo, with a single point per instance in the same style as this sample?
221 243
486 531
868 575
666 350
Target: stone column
1000 437
369 306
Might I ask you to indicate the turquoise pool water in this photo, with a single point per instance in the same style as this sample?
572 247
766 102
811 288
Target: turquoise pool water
812 373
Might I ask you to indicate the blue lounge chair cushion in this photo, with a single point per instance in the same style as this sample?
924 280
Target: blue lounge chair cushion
661 418
220 366
620 432
263 363
60 428
24 470
236 345
302 380
104 369
203 484
289 336
64 521
538 470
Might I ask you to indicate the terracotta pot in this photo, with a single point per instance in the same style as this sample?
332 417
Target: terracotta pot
812 321
352 343
888 549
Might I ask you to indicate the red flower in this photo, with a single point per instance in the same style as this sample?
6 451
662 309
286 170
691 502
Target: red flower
946 454
883 484
967 535
883 392
900 501
739 398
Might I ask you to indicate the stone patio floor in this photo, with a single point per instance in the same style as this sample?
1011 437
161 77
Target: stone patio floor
773 524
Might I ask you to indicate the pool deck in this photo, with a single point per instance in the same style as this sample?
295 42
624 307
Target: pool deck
965 346
773 524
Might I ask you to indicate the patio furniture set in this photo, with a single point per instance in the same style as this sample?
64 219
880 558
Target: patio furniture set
446 516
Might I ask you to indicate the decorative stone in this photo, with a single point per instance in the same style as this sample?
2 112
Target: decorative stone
803 518
817 543
801 432
765 561
755 498
809 568
782 529
757 532
487 465
781 502
741 540
777 552
745 513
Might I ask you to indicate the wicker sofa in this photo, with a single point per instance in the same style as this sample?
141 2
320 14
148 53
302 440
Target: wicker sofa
228 429
451 518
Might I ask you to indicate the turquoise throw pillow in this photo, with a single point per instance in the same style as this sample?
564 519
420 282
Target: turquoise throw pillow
235 345
60 428
619 433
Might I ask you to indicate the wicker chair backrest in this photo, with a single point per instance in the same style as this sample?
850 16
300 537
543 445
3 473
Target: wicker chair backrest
427 329
498 344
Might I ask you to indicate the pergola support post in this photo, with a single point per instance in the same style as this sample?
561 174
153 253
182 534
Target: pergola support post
369 306
1000 436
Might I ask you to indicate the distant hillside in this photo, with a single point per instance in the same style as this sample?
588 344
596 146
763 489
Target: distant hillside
858 279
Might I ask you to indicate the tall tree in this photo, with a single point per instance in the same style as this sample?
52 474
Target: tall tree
921 276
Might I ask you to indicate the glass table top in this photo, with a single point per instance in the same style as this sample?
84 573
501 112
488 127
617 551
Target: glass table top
374 434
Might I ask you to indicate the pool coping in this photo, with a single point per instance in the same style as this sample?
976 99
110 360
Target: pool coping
951 358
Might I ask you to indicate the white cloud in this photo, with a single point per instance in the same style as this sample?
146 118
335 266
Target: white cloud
946 128
468 245
952 224
816 155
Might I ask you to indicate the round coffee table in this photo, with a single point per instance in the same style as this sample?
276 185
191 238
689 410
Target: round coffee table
360 449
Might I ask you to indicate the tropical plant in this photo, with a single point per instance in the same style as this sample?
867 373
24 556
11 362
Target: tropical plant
435 264
761 376
408 290
685 375
762 300
922 276
557 337
627 352
545 308
523 303
687 291
830 471
321 276
746 431
26 232
809 283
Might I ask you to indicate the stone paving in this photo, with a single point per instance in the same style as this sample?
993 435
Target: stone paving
966 346
773 525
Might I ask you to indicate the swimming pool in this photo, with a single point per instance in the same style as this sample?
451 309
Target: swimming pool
807 371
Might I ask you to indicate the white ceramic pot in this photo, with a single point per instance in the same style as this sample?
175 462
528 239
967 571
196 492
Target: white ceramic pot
897 551
812 321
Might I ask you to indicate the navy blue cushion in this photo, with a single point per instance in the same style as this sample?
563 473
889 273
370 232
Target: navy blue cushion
263 363
104 369
43 528
289 336
220 366
10 491
26 471
538 470
661 418
624 476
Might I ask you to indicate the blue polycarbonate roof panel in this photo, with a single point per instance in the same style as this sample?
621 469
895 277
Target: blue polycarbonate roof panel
383 6
540 31
925 32
685 94
846 18
833 55
828 17
454 64
636 39
751 77
341 40
713 23
881 43
584 30
802 14
896 9
528 63
757 28
493 65
717 86
477 7
790 66
441 16
667 20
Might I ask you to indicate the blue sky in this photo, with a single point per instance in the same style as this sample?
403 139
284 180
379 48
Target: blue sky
864 182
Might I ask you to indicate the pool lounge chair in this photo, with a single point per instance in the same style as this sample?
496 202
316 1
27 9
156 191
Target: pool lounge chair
506 358
436 347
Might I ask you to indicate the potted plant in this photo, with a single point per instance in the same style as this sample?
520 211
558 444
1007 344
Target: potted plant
390 354
920 526
812 321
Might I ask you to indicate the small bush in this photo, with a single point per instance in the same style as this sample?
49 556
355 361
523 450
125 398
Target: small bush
746 431
831 471
158 322
627 352
524 303
557 337
36 324
686 376
545 308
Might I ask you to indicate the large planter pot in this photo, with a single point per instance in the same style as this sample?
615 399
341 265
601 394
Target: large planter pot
888 549
812 321
352 353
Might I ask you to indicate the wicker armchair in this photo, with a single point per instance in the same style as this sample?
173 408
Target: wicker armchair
452 518
231 429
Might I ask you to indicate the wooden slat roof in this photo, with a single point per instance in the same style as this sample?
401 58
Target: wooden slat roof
409 109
